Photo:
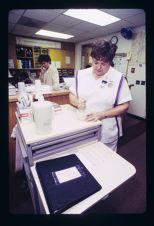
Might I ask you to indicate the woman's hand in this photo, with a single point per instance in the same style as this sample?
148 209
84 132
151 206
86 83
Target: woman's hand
95 116
43 68
116 111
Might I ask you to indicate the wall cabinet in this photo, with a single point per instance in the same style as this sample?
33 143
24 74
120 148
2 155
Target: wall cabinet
36 52
24 57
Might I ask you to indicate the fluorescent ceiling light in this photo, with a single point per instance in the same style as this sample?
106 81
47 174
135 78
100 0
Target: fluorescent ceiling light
53 34
94 16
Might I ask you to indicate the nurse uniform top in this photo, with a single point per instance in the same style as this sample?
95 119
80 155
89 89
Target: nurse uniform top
100 95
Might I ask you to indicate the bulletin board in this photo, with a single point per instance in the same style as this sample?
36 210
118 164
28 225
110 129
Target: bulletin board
62 58
121 63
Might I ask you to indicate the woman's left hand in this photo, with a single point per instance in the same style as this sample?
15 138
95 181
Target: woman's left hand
94 116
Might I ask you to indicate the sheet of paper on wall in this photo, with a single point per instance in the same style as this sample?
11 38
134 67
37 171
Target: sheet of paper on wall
90 60
11 63
54 63
67 60
57 64
120 63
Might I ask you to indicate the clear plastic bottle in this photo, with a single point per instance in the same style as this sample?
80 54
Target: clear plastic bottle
81 112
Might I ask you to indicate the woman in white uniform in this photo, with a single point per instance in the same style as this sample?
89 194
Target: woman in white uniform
103 92
49 74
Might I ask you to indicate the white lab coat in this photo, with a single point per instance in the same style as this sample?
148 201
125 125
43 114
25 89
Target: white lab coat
101 97
50 76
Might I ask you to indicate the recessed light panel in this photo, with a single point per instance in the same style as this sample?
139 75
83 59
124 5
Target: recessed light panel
53 34
94 16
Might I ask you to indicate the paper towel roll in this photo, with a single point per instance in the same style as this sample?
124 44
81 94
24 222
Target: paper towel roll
42 113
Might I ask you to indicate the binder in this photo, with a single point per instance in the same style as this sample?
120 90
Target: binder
65 182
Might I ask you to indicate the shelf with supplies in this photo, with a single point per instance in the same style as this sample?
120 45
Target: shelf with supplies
27 57
24 56
66 72
36 52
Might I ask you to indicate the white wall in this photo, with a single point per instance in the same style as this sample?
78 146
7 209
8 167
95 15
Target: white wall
124 45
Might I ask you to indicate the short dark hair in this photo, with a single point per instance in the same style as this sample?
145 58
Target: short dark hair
45 58
103 50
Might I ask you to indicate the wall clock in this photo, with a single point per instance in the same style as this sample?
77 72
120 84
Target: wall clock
114 39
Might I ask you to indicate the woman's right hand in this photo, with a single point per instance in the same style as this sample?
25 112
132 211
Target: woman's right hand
43 68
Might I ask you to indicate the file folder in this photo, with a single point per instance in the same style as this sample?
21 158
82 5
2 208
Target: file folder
65 182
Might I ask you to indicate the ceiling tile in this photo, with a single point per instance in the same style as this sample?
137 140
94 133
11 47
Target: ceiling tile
17 11
103 30
42 14
137 20
63 20
85 26
60 11
13 18
124 13
116 27
104 10
30 22
24 29
73 31
84 36
55 27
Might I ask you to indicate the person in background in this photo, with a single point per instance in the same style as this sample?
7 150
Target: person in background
49 74
103 92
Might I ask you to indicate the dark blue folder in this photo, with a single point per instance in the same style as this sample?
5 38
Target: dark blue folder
62 195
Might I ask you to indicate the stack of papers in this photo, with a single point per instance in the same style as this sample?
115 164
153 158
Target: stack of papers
44 88
12 90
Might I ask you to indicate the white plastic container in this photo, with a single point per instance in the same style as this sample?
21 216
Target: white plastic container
38 90
21 87
23 96
42 114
